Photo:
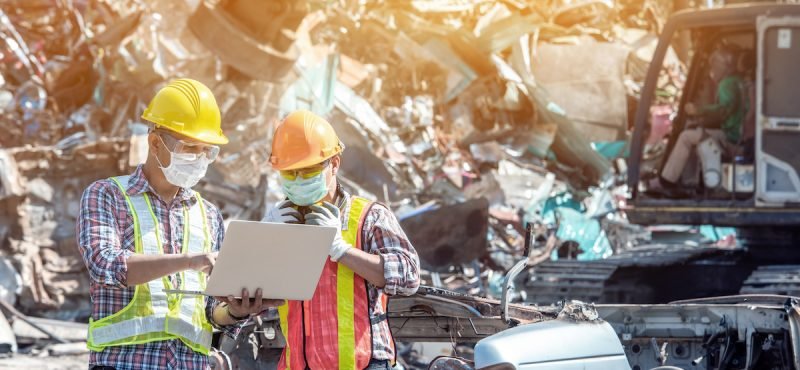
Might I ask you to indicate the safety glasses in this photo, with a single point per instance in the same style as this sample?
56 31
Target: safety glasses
187 149
305 173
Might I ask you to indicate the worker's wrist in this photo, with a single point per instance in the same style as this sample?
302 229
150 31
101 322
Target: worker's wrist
192 261
196 261
234 316
339 251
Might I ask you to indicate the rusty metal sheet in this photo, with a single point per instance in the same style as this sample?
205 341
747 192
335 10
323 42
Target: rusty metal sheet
222 33
450 235
580 88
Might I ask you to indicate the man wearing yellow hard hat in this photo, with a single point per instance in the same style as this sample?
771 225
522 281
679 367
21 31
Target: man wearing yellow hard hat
344 325
146 232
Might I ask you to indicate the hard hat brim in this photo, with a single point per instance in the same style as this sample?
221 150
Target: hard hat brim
308 162
203 137
211 139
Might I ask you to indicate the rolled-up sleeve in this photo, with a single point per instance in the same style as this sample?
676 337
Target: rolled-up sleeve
218 234
229 330
400 260
98 236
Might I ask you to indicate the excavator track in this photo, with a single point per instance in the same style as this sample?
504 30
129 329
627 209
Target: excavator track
645 274
773 279
556 281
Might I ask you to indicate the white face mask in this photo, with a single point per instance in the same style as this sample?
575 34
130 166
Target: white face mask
185 170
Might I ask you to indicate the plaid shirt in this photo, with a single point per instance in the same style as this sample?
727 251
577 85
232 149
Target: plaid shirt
106 240
382 235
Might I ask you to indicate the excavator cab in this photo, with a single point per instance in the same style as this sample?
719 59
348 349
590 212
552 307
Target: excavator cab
733 149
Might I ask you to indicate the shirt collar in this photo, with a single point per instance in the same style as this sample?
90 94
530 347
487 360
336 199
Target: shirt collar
138 184
343 203
343 198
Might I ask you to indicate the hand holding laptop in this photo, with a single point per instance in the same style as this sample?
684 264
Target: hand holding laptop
238 307
244 306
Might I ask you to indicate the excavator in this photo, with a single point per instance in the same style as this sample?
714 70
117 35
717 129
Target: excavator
751 184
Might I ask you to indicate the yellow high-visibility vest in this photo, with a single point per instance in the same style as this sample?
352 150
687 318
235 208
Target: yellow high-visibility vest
152 315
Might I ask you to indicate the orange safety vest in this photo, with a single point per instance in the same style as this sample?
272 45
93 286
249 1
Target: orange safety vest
332 330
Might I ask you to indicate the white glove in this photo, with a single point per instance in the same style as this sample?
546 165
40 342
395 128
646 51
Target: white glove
328 215
282 212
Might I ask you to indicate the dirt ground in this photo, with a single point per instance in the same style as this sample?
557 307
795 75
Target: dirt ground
34 362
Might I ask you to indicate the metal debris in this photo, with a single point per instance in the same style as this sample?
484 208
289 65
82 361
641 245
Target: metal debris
8 342
449 235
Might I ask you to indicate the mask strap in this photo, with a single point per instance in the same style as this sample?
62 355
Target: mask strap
156 154
339 195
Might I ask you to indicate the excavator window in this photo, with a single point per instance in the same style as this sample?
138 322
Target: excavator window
711 126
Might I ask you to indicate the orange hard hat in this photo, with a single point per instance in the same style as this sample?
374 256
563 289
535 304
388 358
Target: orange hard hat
303 139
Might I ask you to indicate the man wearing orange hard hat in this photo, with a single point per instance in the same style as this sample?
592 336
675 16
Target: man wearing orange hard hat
148 232
344 325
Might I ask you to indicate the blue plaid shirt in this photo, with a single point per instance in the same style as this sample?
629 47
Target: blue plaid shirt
106 240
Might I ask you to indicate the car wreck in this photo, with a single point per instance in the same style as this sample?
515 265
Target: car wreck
739 332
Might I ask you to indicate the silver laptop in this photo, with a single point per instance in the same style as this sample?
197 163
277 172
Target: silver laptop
284 260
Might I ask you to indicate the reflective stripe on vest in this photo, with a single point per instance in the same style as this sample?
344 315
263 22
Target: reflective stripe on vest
342 293
152 315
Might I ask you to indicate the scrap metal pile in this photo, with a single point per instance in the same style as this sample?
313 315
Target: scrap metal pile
467 118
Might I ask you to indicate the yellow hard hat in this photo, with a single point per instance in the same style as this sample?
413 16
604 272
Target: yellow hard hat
187 107
303 139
